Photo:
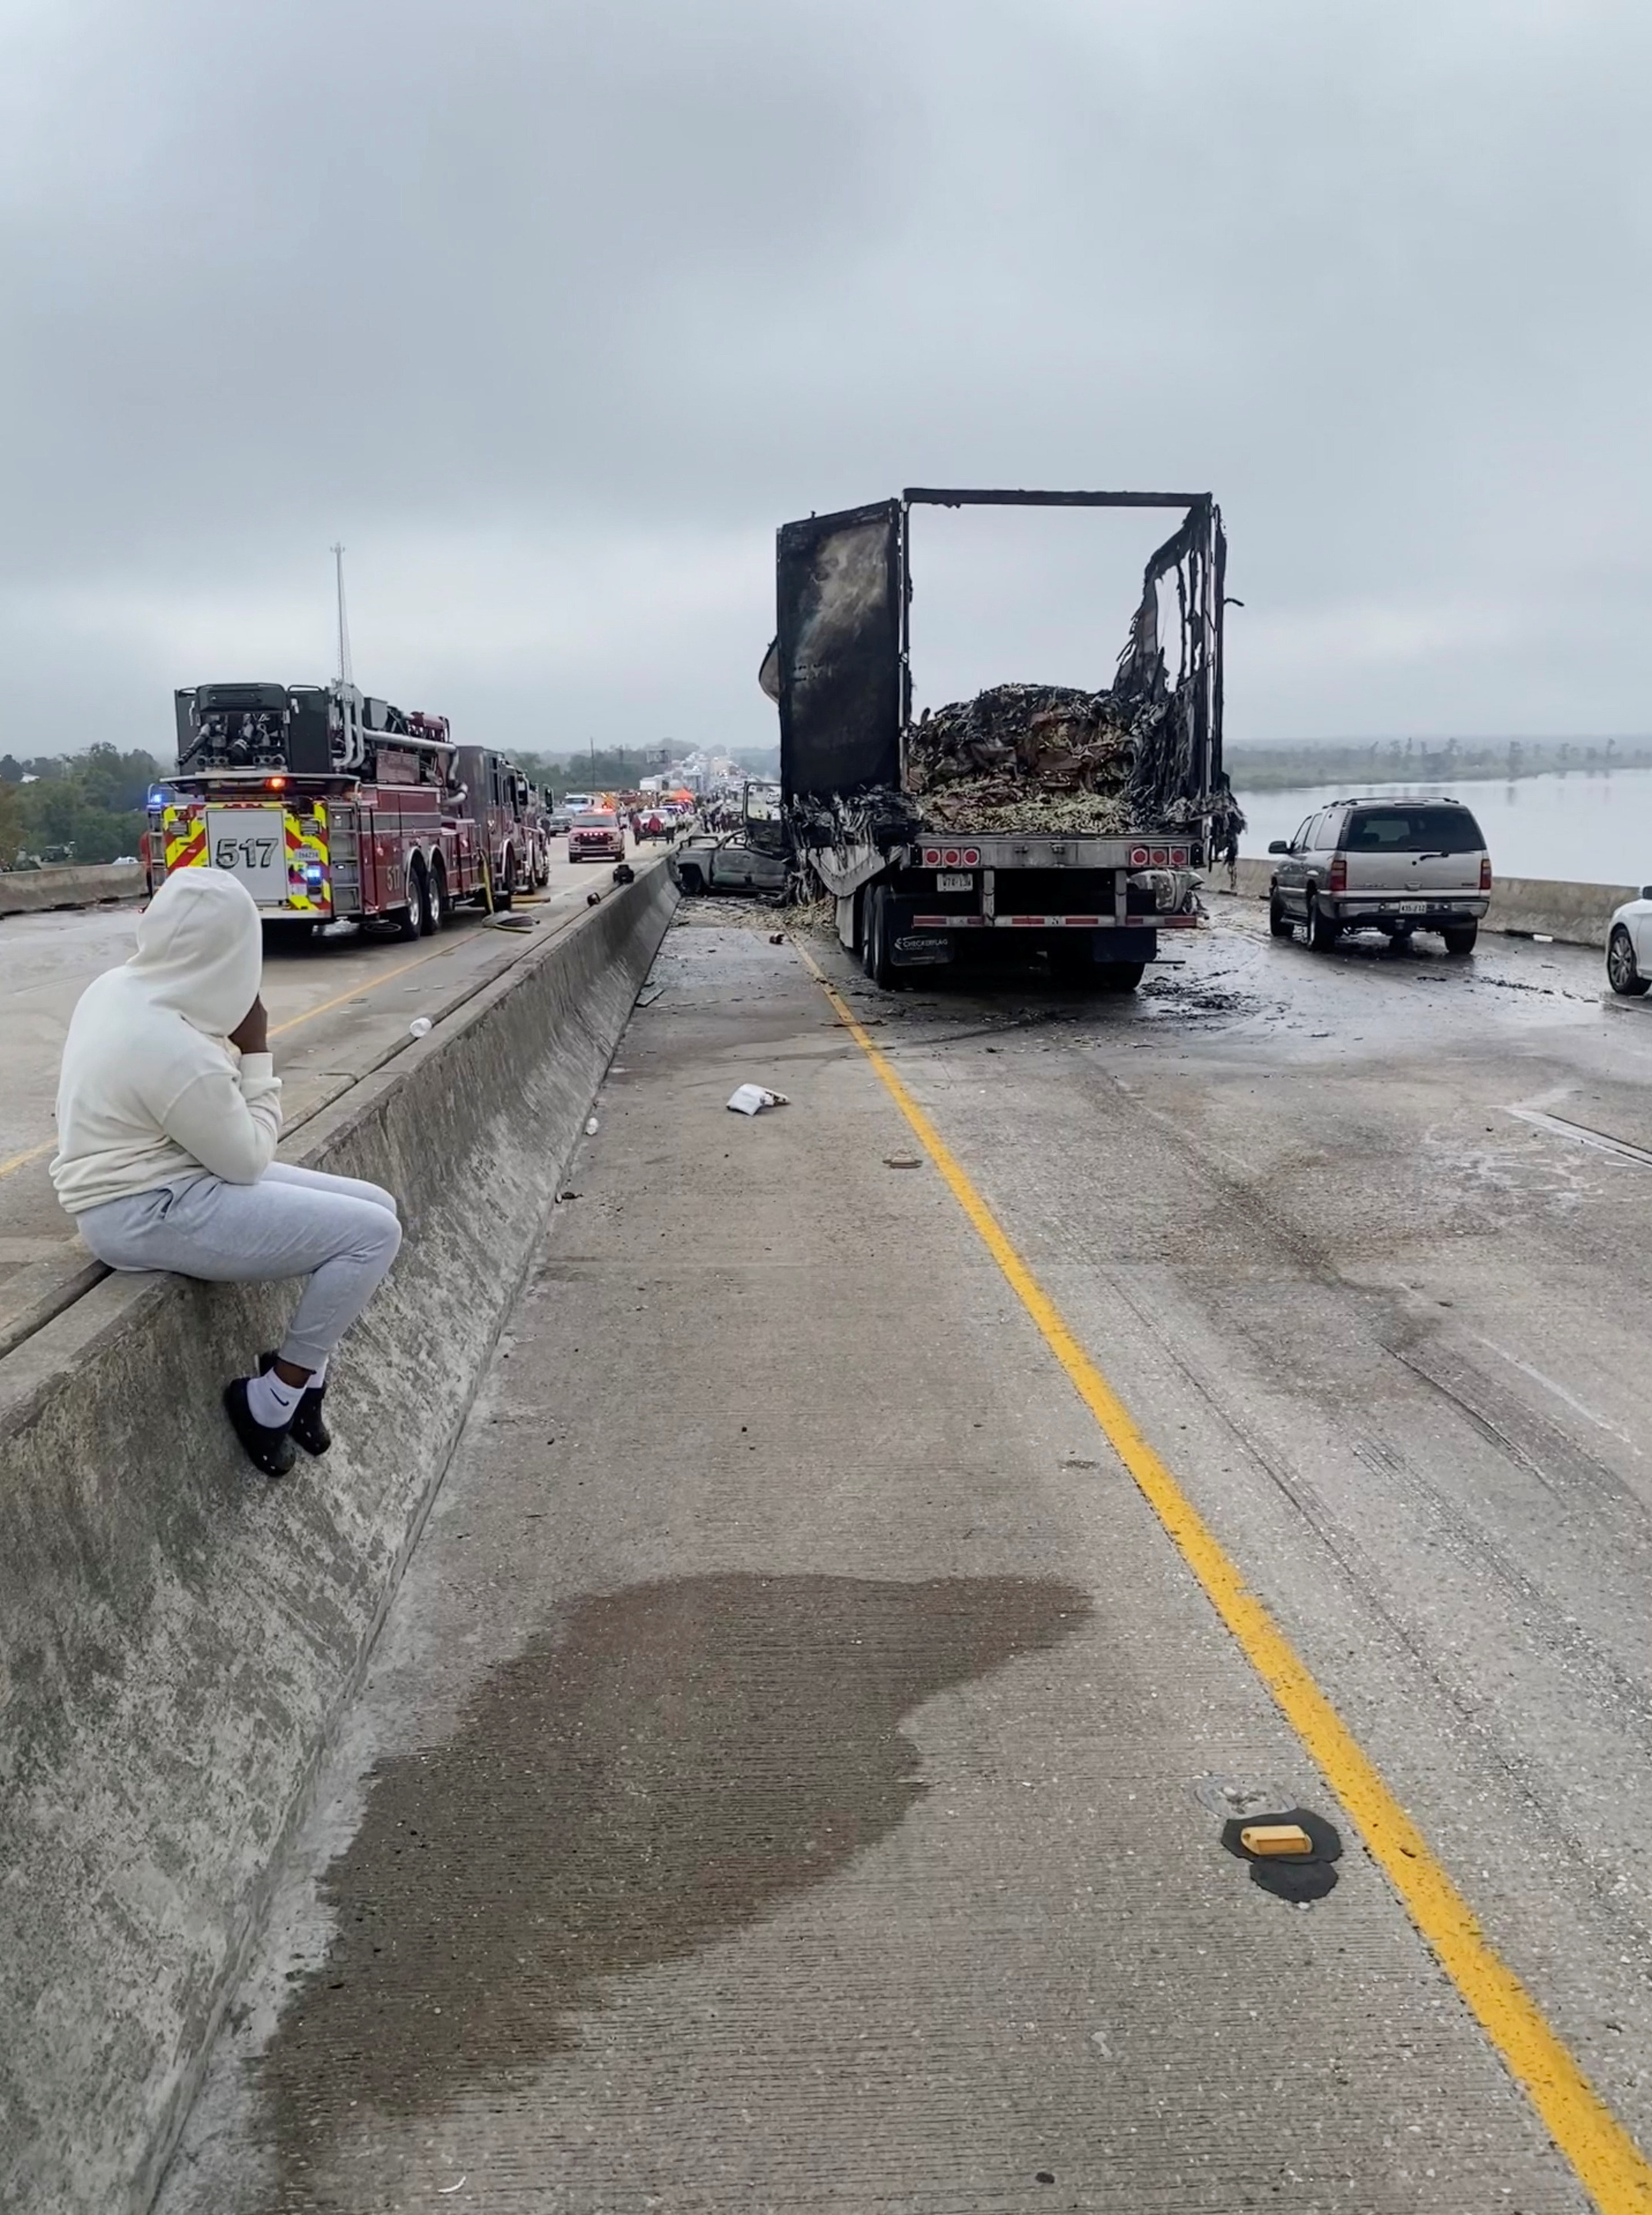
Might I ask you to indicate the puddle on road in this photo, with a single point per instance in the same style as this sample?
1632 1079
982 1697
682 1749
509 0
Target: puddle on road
688 1756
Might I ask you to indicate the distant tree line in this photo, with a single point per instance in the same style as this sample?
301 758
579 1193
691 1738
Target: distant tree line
1262 766
74 807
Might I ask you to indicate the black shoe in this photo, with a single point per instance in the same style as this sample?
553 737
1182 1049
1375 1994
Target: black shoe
308 1424
268 1449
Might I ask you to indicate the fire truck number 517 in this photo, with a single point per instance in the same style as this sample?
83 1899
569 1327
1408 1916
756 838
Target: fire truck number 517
252 853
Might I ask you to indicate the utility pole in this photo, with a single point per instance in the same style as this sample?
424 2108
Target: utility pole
344 676
594 764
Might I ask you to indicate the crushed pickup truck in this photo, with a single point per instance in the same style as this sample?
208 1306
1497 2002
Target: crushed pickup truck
726 862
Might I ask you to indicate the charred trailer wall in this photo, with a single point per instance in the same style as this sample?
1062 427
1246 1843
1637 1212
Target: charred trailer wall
840 584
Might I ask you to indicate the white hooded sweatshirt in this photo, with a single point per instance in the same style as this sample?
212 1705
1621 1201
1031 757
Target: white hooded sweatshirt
151 1092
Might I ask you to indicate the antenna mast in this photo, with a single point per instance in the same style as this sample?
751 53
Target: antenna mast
345 675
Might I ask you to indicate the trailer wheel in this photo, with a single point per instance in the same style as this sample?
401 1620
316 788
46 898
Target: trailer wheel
437 904
879 967
1120 976
410 923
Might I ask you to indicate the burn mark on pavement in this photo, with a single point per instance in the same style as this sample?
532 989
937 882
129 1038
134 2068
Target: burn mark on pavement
682 1760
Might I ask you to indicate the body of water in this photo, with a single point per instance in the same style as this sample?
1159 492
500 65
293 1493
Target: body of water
1594 829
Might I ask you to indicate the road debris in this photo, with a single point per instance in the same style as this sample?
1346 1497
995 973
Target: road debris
420 1027
591 1127
751 1099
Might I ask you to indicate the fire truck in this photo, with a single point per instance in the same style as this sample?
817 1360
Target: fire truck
325 802
502 802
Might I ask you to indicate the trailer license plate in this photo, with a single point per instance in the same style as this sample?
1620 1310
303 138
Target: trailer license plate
955 880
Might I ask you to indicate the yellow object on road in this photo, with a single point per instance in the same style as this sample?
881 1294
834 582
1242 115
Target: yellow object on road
1269 1839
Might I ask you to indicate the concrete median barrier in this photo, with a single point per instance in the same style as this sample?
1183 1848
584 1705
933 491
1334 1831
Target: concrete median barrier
1526 907
31 891
177 1638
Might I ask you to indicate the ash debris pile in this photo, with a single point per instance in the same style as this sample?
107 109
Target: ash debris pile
1029 756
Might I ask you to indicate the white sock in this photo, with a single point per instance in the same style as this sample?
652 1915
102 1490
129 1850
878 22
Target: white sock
271 1401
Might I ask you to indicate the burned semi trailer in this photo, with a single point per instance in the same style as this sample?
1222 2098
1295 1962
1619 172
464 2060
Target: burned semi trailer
1033 818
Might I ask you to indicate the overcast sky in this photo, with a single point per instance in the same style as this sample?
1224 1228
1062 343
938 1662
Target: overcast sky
553 312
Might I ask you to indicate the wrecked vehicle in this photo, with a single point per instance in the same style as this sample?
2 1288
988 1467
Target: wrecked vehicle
1033 818
727 861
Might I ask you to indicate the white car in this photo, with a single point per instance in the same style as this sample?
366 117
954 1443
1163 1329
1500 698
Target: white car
1629 947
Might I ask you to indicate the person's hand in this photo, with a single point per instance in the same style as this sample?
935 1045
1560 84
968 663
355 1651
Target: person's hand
251 1034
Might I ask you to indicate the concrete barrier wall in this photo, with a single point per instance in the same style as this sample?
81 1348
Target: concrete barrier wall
27 892
1550 907
178 1637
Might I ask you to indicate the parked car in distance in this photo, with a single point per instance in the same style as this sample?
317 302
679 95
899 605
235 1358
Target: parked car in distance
709 862
598 837
1629 947
1390 865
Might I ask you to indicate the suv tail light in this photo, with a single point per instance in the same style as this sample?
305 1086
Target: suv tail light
1337 881
1485 873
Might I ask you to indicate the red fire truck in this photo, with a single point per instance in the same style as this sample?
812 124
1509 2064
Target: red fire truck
503 804
324 802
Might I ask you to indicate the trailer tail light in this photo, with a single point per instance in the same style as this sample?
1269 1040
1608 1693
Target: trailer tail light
1485 873
1337 881
1137 857
1178 858
275 784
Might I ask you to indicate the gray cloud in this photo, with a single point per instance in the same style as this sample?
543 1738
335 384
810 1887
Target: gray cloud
553 312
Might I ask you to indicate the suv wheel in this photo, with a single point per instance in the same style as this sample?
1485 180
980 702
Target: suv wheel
1461 940
1622 975
1321 932
1278 923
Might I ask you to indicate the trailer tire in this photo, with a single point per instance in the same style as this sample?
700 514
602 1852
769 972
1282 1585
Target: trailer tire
1120 976
878 968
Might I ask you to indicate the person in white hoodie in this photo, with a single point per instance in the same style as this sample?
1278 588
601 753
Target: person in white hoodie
168 1112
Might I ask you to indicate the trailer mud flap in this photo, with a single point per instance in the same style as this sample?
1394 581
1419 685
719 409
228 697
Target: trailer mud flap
921 950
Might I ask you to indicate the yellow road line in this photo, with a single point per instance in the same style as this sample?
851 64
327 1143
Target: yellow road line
22 1161
1609 2163
357 991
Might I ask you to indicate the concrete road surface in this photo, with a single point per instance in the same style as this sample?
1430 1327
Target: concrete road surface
340 1004
794 1773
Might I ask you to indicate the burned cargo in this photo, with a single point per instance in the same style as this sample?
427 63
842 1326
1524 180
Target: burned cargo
1078 819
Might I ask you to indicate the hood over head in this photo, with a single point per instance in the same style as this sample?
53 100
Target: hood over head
201 948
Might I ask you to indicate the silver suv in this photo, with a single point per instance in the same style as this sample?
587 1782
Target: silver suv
1390 865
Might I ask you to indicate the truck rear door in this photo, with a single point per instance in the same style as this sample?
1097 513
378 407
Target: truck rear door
838 660
1413 847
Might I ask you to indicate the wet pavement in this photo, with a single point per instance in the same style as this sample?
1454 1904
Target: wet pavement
792 1774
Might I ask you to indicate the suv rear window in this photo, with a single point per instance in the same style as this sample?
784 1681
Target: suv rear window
1421 830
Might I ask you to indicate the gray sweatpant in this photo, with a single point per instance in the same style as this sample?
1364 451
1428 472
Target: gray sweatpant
340 1233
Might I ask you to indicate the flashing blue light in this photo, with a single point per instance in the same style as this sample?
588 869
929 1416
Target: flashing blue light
314 872
157 795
